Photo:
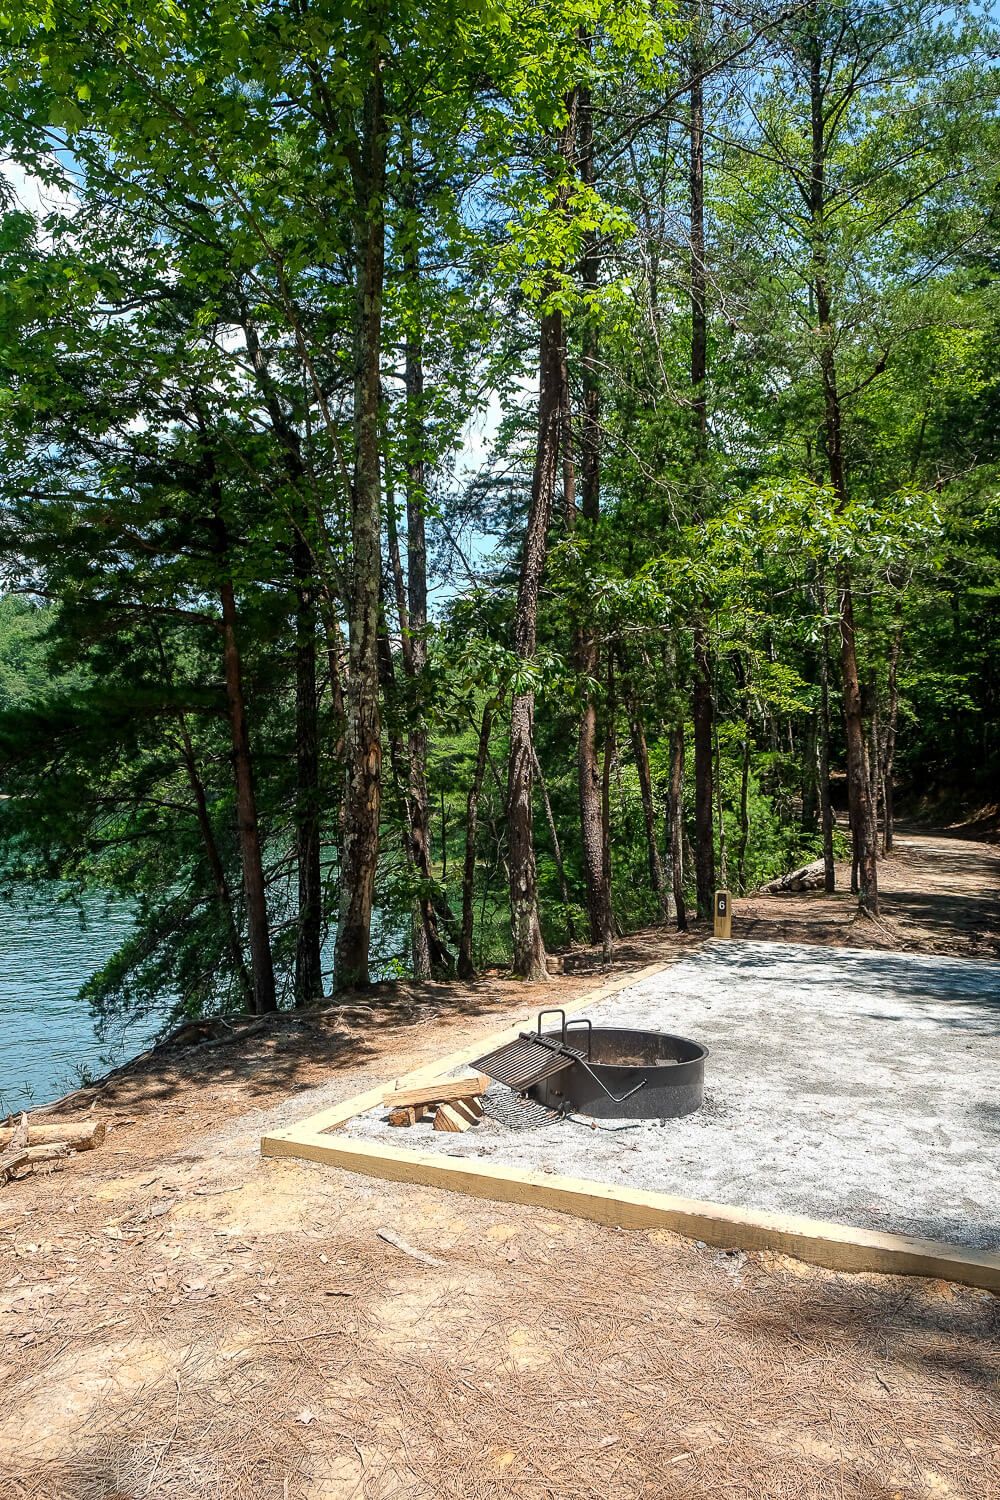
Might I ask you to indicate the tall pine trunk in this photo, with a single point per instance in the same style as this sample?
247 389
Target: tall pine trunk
254 891
858 789
309 936
599 914
823 752
889 749
526 932
703 713
466 966
362 796
415 628
308 946
676 825
529 947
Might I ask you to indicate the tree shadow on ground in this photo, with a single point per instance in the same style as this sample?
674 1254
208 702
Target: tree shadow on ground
918 1326
281 1055
968 989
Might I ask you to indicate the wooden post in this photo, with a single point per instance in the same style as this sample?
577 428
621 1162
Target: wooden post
723 915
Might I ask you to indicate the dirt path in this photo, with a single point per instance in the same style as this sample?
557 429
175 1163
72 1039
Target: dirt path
940 894
180 1318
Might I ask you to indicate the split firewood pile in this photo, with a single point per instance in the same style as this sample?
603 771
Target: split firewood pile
27 1144
451 1103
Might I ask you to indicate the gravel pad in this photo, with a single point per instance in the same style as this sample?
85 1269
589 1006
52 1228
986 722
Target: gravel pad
841 1084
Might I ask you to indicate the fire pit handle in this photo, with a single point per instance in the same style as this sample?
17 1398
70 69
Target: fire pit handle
582 1021
562 1013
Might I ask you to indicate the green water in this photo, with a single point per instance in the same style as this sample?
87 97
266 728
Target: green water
48 1036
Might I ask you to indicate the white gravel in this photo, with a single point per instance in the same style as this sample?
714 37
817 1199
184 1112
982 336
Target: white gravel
842 1084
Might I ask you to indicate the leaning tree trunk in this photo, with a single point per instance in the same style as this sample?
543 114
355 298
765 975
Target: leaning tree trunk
362 796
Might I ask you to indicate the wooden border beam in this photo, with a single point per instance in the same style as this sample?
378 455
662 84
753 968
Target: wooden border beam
839 1247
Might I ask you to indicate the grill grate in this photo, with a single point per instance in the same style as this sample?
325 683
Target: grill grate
521 1064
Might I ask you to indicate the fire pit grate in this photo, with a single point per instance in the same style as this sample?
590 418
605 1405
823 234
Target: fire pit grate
531 1058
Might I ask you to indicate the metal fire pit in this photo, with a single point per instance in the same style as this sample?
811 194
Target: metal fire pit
607 1072
629 1075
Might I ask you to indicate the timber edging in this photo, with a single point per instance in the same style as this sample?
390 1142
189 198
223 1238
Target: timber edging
838 1247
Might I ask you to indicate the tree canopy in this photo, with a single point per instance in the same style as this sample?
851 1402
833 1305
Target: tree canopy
477 477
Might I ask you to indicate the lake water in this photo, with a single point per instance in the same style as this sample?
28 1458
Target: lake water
47 1035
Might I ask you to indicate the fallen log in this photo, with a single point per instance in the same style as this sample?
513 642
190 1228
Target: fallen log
808 878
85 1135
13 1162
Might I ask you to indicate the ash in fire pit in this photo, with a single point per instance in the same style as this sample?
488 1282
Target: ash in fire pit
607 1072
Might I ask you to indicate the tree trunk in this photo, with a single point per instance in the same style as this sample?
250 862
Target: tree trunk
702 705
213 858
362 797
415 628
858 791
599 914
744 844
308 946
889 752
640 751
308 964
874 754
261 964
704 816
466 967
610 757
529 947
810 783
826 806
677 825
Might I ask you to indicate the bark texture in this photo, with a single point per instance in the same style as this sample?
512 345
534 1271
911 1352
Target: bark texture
466 966
859 798
254 891
703 714
526 932
676 825
362 796
599 913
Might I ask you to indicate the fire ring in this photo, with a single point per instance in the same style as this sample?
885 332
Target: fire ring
609 1073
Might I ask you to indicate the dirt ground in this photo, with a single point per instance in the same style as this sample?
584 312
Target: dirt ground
181 1318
